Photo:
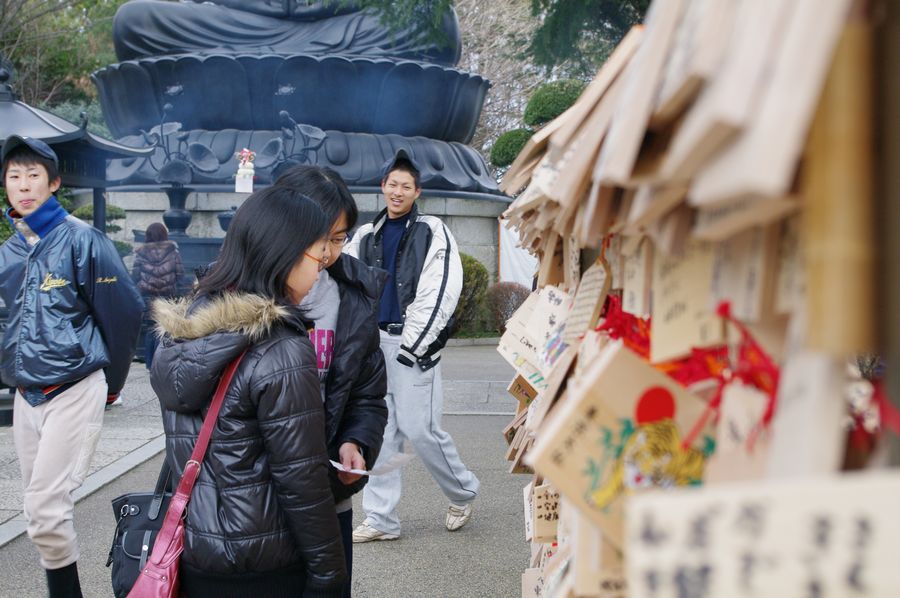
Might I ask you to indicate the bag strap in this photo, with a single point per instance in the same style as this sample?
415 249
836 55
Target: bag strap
182 495
162 486
192 467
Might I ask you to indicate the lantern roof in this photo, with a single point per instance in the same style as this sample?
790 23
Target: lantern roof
82 154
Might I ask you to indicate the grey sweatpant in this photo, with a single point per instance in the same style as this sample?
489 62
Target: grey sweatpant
415 403
55 442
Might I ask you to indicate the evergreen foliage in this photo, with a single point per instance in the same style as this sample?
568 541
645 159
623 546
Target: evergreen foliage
86 213
551 100
71 111
585 31
54 46
471 298
508 146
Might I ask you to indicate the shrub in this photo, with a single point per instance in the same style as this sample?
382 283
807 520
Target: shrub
551 100
86 213
6 230
503 299
123 247
71 111
508 146
475 281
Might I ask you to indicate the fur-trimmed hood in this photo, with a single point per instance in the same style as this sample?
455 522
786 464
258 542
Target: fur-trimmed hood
242 313
200 337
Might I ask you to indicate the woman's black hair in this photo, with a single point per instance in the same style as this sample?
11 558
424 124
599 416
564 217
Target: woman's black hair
325 187
266 237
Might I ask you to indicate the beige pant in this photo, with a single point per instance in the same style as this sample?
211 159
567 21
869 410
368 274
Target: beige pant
55 442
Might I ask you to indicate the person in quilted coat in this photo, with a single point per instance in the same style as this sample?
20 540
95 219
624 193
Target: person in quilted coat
156 272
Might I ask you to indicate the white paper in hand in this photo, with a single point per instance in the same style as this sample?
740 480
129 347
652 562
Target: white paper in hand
395 462
340 467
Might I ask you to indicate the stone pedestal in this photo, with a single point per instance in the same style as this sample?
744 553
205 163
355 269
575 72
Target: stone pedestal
473 222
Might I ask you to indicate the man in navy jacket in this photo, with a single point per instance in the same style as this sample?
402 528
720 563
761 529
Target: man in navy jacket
74 316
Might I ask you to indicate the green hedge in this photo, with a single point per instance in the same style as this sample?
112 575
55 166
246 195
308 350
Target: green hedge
471 298
86 212
508 146
551 100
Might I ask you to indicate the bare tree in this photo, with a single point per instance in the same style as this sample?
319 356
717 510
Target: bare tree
495 36
16 15
54 45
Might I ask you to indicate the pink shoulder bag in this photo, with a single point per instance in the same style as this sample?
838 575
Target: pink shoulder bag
159 577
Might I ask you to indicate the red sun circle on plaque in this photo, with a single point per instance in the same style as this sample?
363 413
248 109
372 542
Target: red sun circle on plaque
656 404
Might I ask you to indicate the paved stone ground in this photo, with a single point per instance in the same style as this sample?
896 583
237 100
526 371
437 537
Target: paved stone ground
482 559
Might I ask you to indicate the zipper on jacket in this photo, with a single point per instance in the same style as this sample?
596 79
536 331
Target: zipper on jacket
18 359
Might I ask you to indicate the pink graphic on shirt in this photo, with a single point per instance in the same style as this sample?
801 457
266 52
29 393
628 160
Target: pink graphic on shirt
323 341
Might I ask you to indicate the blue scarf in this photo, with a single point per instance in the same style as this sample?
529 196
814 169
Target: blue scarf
43 220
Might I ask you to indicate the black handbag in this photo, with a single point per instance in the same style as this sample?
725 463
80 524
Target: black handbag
139 516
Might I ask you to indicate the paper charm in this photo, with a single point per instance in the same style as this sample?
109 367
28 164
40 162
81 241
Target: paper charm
397 461
243 180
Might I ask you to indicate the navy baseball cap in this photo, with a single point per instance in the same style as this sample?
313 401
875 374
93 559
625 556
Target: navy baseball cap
35 145
401 154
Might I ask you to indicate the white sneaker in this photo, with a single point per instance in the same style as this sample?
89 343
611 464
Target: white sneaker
458 516
116 403
367 533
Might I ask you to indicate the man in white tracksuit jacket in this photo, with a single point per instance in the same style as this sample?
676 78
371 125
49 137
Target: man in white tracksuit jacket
423 261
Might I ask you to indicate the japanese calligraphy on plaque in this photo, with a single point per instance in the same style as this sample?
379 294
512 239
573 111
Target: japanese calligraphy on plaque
682 317
814 537
636 273
742 444
588 301
545 513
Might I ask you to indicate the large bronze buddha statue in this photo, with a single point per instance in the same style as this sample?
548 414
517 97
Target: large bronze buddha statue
155 27
231 73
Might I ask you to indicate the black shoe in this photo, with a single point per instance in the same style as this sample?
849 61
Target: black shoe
63 583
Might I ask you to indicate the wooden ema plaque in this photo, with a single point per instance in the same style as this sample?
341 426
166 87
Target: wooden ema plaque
619 433
735 457
521 391
827 537
682 316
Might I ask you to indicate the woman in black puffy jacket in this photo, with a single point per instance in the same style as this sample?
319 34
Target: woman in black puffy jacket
261 521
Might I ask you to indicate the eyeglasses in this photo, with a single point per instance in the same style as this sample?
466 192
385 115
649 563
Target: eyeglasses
318 260
339 241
